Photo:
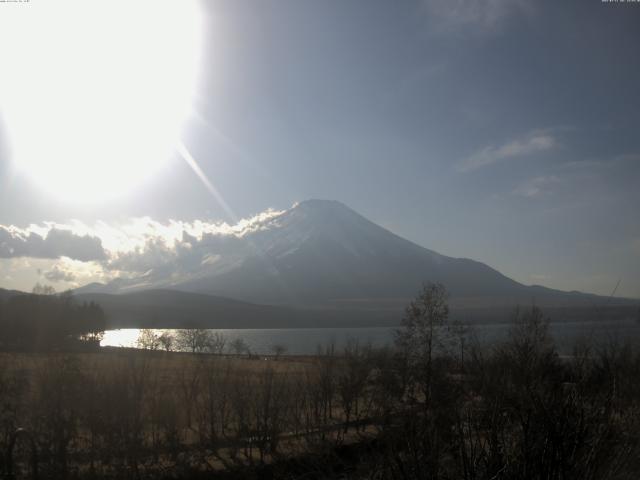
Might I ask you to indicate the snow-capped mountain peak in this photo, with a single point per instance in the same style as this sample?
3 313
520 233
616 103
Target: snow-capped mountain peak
316 252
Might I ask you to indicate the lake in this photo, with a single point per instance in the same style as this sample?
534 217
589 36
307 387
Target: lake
305 341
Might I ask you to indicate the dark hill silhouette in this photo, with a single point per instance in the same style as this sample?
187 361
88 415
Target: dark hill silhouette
6 294
175 309
35 321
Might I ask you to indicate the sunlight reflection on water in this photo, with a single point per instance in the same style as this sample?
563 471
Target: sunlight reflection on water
297 341
120 338
305 341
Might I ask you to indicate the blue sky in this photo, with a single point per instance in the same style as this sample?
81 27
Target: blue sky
504 131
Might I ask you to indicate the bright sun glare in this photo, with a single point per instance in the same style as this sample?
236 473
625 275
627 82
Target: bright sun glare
94 93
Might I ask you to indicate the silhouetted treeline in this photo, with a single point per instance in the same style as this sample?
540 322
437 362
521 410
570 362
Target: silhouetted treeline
35 321
434 406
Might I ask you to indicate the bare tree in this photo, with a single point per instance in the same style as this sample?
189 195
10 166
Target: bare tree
40 289
148 339
167 340
278 350
459 333
195 340
215 404
58 385
326 369
352 380
423 333
217 342
268 406
239 346
530 349
190 386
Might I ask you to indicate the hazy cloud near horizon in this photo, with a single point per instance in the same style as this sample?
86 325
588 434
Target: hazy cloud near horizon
54 243
134 247
59 274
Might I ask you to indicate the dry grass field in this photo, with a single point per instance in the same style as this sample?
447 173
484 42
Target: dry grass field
119 411
515 410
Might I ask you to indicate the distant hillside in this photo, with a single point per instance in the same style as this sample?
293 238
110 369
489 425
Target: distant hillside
174 309
4 294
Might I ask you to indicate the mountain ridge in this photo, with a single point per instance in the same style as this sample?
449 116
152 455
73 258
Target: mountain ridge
321 253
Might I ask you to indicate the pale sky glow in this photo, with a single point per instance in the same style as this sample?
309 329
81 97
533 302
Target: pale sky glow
499 130
101 87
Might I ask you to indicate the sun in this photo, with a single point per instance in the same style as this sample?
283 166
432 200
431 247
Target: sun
94 94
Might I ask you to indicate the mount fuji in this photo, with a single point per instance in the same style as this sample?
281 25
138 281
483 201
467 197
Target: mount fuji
321 255
321 252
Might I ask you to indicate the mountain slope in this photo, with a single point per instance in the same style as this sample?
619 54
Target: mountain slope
321 253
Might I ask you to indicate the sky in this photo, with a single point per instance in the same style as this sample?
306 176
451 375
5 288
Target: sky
500 130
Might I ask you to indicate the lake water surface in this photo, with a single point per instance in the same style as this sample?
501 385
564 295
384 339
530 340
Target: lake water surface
305 341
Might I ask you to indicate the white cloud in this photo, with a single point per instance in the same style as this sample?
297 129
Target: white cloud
137 247
611 162
536 187
59 274
535 142
23 273
51 242
483 15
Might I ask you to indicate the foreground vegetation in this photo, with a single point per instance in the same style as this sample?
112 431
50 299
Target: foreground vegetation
46 321
434 406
